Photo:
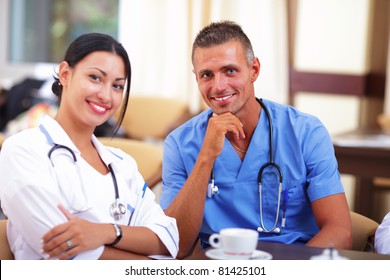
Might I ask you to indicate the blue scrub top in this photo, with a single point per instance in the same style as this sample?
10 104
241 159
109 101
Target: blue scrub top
302 148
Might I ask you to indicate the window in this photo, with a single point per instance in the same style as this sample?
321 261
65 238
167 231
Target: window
41 30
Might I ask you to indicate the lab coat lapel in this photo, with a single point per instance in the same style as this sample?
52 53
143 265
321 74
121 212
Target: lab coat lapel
55 134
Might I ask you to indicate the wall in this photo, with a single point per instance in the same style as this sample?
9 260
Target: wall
348 39
13 72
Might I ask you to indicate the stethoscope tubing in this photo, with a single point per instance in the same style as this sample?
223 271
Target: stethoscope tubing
114 181
271 150
49 154
117 208
271 162
57 147
213 189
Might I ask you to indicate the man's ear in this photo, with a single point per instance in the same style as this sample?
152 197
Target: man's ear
64 72
255 69
196 76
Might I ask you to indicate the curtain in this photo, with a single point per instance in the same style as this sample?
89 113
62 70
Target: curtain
158 35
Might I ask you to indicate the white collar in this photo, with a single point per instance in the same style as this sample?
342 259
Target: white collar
55 134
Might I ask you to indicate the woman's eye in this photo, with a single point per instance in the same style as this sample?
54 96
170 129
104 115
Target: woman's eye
118 87
95 77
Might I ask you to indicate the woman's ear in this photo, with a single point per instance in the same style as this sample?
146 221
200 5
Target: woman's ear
64 72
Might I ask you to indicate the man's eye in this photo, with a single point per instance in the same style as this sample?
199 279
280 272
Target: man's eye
231 71
206 75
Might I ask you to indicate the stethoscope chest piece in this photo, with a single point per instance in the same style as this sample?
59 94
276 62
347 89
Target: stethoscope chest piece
117 210
212 189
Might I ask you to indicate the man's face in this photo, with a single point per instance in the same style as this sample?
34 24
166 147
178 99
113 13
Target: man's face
224 77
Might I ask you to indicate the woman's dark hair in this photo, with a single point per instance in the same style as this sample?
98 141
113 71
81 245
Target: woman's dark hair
89 43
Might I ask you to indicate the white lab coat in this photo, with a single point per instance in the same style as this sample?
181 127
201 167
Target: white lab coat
382 236
32 186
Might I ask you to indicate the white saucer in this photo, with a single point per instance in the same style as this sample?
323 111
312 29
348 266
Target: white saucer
328 254
218 254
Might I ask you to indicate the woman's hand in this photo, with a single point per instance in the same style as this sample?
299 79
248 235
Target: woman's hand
67 240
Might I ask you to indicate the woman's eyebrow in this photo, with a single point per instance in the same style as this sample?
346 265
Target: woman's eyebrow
100 70
104 73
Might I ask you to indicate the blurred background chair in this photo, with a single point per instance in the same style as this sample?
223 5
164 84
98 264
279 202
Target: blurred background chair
363 232
5 251
2 138
148 156
153 117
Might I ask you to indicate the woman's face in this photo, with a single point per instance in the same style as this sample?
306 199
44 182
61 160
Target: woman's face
92 89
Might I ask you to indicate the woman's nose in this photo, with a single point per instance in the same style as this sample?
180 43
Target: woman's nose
104 93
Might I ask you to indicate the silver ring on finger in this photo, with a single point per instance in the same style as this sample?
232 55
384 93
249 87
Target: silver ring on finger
69 244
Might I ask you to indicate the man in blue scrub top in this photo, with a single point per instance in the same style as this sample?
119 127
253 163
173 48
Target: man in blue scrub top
230 143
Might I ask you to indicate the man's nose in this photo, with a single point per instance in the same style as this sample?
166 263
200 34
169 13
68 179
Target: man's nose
219 83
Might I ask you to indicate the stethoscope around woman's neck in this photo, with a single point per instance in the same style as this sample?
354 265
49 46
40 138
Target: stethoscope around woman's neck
117 209
213 189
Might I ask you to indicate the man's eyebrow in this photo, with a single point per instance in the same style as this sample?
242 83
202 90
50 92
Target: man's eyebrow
202 71
229 66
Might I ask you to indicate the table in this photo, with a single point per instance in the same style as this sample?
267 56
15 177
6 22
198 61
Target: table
366 155
281 251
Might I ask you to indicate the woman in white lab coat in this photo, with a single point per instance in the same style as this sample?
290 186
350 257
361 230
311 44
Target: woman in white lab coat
65 194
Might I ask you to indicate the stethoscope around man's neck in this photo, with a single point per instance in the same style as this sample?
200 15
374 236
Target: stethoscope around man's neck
213 189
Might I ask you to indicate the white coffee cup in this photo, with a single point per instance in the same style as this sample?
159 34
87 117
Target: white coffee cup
238 243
